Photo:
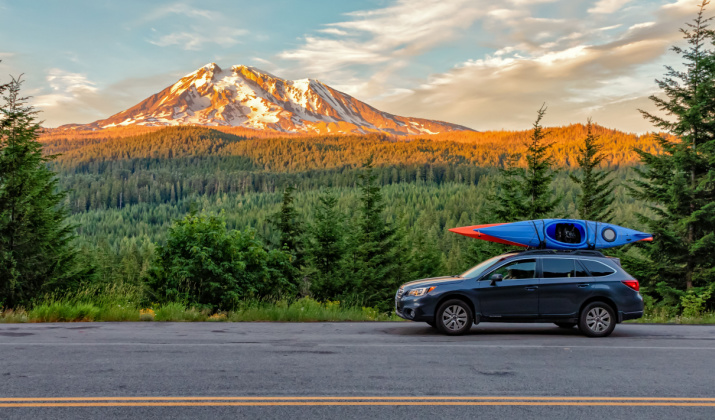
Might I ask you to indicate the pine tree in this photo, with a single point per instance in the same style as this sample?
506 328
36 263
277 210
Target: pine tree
525 194
290 227
596 197
326 249
374 245
679 183
37 254
538 177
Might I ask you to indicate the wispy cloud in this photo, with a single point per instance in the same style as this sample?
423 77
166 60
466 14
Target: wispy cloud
407 28
65 86
200 36
608 6
181 9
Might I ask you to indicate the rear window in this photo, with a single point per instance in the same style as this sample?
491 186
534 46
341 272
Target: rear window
562 267
598 269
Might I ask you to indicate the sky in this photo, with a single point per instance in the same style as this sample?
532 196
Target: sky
485 64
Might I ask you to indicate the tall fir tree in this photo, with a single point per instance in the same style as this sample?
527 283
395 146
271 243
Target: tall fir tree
525 193
679 183
37 254
596 197
374 245
326 249
289 225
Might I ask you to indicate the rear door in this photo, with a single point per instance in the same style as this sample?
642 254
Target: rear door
516 296
563 286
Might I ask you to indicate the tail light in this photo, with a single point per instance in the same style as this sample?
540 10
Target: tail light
633 284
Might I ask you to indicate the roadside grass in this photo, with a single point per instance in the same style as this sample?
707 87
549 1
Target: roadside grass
116 303
665 316
122 303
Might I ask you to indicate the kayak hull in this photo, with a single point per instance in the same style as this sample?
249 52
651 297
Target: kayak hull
565 234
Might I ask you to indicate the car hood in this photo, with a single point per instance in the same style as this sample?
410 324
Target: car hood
433 281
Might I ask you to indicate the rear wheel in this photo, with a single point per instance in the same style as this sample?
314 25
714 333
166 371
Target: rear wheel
566 325
597 319
454 317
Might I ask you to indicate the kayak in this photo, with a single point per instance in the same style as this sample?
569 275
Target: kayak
555 234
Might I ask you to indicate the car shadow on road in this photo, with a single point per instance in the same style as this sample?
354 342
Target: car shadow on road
502 329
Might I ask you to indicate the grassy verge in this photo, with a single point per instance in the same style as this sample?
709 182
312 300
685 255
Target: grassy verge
122 304
665 317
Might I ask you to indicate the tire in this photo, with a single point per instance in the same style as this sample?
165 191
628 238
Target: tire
597 319
566 325
432 324
454 317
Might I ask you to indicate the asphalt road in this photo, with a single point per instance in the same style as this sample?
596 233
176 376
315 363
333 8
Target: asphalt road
353 370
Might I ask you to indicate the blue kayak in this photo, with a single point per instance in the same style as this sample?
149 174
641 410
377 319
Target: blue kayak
556 234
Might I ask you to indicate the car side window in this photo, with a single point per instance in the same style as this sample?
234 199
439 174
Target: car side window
580 271
521 269
562 268
598 269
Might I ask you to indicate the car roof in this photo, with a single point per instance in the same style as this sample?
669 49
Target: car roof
555 252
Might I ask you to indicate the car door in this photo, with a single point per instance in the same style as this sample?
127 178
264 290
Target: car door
562 286
515 296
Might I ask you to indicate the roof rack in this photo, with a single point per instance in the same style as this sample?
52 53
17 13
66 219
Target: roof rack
562 252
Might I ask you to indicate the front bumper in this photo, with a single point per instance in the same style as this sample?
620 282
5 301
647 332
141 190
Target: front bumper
415 309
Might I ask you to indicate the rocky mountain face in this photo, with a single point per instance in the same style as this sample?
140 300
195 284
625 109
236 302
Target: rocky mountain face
248 97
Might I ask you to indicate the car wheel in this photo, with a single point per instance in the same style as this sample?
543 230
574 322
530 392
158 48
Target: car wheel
566 325
597 319
454 317
432 324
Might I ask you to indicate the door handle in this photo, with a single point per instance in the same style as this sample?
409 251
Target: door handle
583 285
531 288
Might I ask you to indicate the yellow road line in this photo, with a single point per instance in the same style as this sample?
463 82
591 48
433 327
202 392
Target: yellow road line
349 398
358 403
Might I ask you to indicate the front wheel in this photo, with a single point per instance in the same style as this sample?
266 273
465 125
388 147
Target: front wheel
597 319
454 317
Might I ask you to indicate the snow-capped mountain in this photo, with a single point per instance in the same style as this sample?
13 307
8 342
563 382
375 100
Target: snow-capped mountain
248 97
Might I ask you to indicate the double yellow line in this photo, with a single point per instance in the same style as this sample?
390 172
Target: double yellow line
353 401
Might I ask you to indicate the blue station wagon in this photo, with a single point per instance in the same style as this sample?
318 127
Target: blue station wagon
569 288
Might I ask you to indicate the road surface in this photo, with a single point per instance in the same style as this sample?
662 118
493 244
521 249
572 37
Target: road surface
353 370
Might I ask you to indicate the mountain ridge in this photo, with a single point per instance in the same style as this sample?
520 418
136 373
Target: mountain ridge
244 96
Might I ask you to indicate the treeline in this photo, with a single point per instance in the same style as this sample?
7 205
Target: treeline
301 153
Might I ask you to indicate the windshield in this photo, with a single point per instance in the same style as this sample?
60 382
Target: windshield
477 270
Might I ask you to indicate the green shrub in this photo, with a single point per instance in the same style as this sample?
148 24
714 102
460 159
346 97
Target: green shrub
205 265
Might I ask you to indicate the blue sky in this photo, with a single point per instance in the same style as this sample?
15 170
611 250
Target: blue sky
484 64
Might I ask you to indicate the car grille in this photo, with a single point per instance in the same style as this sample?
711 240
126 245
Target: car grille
400 292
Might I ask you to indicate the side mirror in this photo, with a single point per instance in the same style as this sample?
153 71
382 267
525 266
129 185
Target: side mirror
495 278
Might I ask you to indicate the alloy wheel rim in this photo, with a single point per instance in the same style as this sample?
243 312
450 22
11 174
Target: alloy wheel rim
598 319
454 317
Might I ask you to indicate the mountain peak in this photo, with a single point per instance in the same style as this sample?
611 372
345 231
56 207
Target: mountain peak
249 97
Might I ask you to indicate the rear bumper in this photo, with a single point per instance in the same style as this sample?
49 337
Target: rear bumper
625 316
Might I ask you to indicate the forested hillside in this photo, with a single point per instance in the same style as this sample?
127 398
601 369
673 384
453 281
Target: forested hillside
127 186
173 164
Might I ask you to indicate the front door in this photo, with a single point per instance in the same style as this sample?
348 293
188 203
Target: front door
516 296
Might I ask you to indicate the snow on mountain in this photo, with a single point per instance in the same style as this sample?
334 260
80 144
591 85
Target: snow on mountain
249 97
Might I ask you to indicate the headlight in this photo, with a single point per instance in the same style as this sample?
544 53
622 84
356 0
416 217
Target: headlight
421 291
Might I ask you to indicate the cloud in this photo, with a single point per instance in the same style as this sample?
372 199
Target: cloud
182 9
405 29
197 39
583 73
65 87
73 98
608 6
